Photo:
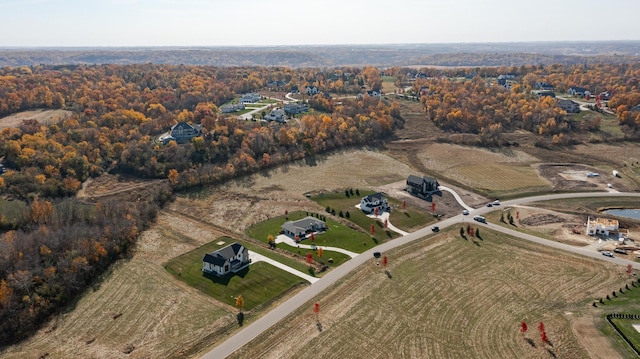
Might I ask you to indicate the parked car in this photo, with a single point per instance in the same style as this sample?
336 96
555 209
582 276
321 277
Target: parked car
608 254
489 205
465 212
496 203
435 229
480 219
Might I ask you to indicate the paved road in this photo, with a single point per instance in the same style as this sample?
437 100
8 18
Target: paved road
249 332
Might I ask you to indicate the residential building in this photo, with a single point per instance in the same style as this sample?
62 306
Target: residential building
276 115
375 93
233 107
252 97
546 93
295 108
299 229
569 106
601 226
422 186
181 132
544 86
312 90
578 91
368 204
229 259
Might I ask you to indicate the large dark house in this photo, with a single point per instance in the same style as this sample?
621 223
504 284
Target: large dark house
422 186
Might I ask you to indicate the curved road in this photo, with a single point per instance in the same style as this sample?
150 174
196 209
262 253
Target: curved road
263 323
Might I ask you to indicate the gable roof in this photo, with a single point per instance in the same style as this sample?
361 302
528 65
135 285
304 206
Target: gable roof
302 225
379 196
220 257
414 180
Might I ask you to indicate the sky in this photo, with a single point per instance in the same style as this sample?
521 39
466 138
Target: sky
70 23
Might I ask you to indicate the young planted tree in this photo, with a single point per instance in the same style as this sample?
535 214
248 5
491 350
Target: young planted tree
523 327
372 230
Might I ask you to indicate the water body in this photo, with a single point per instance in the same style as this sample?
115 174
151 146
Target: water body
629 213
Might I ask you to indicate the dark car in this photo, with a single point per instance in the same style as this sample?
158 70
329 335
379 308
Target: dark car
435 229
376 254
489 205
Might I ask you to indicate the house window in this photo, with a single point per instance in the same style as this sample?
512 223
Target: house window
226 267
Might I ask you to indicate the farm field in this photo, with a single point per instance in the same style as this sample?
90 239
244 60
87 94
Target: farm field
495 174
450 297
43 116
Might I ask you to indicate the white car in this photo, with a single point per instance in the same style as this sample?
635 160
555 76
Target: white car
496 203
608 254
465 212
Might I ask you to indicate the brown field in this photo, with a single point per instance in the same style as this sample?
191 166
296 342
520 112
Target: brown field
451 298
43 116
138 304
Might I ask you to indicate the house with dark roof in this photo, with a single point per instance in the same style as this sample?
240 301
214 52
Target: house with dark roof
569 106
181 132
578 91
368 204
301 228
544 86
252 97
229 259
276 115
422 186
295 108
375 93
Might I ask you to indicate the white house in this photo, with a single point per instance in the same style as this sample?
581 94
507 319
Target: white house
300 228
233 107
369 203
375 93
229 259
601 226
250 98
312 90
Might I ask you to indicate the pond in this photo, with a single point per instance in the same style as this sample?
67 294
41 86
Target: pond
629 213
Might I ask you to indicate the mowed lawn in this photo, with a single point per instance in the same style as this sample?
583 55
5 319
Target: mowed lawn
338 235
448 297
407 219
625 302
259 283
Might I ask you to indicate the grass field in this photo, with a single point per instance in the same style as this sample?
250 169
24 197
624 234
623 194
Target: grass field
338 235
449 298
627 302
410 218
259 283
573 205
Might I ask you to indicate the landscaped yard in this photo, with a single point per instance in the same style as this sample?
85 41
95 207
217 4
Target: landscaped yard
408 219
259 283
338 235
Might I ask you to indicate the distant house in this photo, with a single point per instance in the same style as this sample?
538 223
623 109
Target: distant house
232 107
295 108
578 91
294 89
300 228
422 186
276 115
605 96
181 132
369 203
250 98
502 80
375 93
601 226
424 91
312 90
569 106
546 93
276 84
229 259
544 86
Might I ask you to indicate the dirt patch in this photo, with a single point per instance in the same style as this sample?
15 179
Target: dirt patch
573 177
45 117
112 185
542 219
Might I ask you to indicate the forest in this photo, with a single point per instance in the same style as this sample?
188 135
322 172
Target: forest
54 246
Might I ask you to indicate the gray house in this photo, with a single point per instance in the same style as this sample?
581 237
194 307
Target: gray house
295 108
300 228
276 115
569 106
229 259
422 186
182 132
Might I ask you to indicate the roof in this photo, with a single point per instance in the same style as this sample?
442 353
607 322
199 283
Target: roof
577 89
379 196
220 256
561 101
186 125
414 180
301 225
